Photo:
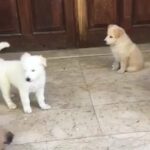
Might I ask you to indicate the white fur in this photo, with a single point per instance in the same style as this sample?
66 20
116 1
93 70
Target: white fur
17 72
4 45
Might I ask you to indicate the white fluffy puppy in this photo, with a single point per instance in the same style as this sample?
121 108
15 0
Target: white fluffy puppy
27 75
127 55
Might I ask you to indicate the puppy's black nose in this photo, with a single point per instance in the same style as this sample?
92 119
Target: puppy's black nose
28 79
9 138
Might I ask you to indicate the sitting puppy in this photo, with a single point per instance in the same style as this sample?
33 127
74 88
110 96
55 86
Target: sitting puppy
6 137
127 55
27 75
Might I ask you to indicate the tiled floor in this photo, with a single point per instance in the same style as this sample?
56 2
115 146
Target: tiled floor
93 107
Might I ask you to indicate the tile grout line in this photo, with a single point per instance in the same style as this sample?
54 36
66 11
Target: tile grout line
80 138
86 55
78 56
91 99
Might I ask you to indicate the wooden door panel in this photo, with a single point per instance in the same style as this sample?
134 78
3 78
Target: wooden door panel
9 22
136 19
48 16
101 12
133 15
48 24
141 12
52 23
41 24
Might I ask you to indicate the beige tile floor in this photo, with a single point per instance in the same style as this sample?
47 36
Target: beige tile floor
93 108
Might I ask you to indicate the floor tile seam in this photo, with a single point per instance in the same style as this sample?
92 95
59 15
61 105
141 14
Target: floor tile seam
78 54
125 133
89 93
98 121
37 142
86 55
58 140
83 138
76 138
64 109
68 57
95 107
122 103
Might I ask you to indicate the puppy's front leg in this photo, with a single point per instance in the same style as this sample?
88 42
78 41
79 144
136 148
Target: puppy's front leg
123 65
41 100
24 95
115 65
5 88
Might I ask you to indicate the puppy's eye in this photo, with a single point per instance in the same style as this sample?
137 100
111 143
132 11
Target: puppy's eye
110 36
33 70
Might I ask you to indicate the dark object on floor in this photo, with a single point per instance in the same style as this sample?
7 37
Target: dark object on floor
6 137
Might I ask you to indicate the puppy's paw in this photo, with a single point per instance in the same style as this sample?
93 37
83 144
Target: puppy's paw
12 105
121 71
45 107
114 68
28 110
4 44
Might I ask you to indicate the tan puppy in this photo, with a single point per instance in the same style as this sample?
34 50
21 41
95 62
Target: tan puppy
127 55
6 137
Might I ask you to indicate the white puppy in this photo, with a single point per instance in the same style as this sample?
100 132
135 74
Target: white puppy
27 75
127 55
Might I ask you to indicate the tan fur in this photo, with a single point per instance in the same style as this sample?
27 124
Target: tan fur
127 55
118 33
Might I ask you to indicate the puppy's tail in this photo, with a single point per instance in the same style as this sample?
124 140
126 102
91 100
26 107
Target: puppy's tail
4 45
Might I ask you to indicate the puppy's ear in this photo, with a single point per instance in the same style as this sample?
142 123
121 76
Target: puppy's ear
43 61
110 25
25 55
118 32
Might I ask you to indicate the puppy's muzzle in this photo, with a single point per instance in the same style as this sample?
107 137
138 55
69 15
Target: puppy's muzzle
105 40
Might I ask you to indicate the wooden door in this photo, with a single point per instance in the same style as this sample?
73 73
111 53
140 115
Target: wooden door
54 24
135 18
95 18
37 24
92 20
